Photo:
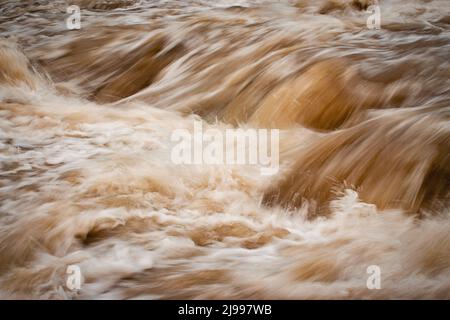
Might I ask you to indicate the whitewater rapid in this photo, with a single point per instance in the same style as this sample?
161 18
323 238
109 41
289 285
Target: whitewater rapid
87 179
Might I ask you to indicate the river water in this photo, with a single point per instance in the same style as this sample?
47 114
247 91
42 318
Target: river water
86 118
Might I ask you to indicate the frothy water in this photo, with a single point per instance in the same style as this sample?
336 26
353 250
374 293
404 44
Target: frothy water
86 178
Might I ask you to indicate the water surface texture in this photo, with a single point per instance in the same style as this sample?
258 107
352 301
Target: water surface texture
86 176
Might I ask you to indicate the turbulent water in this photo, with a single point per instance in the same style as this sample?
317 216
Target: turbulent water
86 179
